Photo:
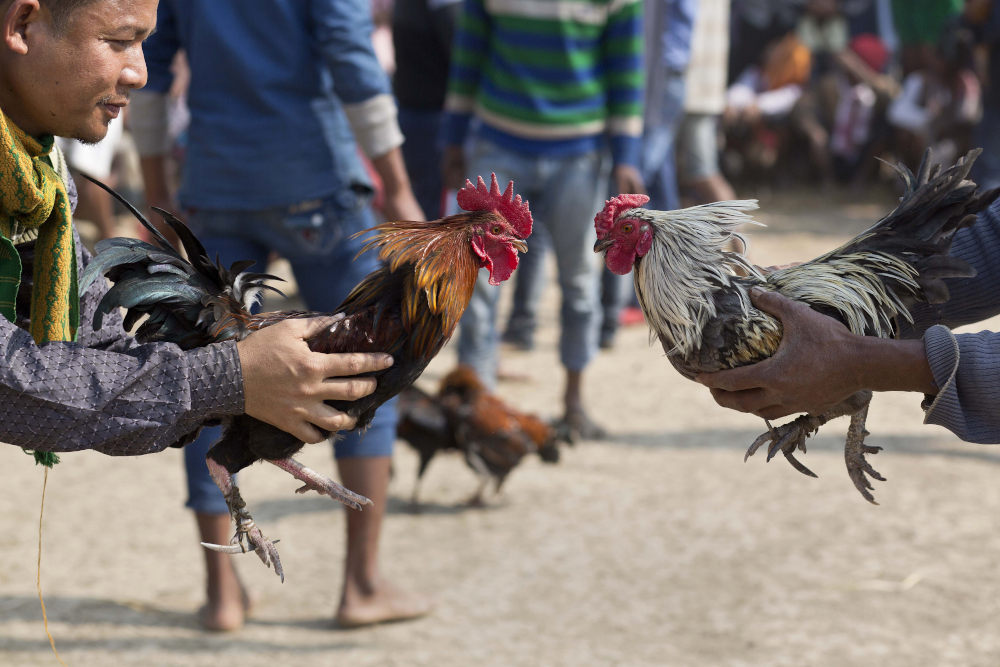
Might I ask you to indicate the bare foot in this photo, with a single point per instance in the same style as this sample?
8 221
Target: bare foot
384 604
225 614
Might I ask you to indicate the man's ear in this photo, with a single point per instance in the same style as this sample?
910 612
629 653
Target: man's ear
19 16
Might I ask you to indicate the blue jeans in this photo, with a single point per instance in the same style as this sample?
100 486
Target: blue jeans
564 193
664 112
316 241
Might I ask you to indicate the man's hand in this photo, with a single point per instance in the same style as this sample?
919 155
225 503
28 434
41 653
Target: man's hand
812 370
818 364
285 383
453 168
399 202
627 179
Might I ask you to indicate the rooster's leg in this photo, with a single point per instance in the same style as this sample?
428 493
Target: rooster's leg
854 454
320 483
791 436
248 536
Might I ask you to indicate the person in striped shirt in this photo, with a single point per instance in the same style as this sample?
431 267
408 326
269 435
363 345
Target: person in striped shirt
547 93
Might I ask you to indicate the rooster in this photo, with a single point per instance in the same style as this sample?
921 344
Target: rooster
408 308
465 416
694 292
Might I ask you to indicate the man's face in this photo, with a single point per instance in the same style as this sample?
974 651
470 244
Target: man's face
77 76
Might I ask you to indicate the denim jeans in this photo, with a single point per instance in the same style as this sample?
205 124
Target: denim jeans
664 112
315 238
564 194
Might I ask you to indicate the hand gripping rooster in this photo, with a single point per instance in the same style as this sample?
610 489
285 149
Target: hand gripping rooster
408 308
694 292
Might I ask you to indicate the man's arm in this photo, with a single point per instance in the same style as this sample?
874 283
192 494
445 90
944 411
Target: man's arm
623 69
108 393
343 31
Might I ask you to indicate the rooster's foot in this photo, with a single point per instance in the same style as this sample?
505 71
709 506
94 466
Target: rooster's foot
854 455
249 538
786 439
322 484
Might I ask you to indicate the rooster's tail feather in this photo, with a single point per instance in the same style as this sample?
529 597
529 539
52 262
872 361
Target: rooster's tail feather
191 302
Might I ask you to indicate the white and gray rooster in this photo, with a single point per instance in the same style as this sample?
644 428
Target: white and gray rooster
694 292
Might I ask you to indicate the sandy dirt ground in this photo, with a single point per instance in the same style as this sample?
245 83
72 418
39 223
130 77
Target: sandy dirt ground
656 546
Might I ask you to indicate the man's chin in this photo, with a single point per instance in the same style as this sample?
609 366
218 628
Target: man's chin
92 132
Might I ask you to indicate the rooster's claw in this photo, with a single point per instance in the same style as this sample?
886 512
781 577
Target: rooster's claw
786 439
249 538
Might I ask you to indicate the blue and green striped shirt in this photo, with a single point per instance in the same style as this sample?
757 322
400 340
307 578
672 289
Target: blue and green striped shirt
552 77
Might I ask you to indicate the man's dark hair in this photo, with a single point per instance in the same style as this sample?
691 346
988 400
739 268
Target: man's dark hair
62 10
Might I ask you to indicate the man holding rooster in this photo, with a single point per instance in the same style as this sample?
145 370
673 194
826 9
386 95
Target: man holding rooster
820 362
67 68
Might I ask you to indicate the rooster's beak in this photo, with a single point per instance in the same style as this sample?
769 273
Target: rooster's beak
521 245
602 244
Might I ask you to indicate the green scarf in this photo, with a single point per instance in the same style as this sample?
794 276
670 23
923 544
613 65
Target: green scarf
33 202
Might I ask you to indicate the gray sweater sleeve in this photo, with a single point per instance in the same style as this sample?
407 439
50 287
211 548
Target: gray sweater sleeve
109 393
966 367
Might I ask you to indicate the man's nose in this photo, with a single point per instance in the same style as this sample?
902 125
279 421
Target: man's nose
134 73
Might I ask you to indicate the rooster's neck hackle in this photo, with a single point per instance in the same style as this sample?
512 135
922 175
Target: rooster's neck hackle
689 260
438 254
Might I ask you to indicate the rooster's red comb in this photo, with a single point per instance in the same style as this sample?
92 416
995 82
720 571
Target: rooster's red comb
480 198
605 220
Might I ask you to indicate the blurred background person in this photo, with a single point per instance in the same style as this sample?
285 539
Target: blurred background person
759 105
422 32
552 93
940 103
272 164
984 18
700 178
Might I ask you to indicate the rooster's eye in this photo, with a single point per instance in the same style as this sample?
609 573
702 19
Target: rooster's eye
627 228
496 230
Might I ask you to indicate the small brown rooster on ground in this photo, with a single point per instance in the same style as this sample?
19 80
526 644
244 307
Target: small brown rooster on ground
464 416
408 308
695 293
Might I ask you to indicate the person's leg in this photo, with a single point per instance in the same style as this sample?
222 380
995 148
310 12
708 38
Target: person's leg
478 337
569 217
226 599
366 596
326 271
698 145
529 282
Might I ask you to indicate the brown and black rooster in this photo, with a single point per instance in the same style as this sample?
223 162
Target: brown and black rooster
465 416
694 292
408 308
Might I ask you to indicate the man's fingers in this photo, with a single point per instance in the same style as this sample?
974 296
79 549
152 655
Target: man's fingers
305 432
351 389
733 379
314 326
741 401
354 363
773 303
331 419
